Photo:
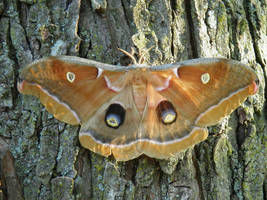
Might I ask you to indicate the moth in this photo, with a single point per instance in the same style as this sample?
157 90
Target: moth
132 110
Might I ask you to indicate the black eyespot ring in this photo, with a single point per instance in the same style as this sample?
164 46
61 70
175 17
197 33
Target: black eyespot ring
166 112
115 116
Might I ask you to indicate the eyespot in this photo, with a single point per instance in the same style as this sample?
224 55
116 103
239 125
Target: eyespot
115 115
205 78
166 112
70 76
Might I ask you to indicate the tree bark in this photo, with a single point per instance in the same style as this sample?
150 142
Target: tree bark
48 161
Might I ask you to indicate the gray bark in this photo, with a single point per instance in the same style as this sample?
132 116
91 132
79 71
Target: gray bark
48 161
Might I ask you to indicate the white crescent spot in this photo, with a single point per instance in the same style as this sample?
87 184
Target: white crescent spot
175 71
99 72
166 84
109 85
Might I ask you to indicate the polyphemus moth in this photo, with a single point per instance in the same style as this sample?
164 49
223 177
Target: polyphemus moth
132 110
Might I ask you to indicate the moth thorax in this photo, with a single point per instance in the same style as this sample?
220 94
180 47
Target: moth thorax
140 95
115 115
166 112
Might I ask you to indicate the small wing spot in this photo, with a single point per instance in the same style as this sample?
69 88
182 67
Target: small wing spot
168 117
166 112
113 121
205 78
115 116
70 77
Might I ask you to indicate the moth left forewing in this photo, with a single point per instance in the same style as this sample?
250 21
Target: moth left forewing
69 86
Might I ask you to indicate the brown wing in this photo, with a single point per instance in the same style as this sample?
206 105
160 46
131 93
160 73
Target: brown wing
121 142
77 93
72 91
201 94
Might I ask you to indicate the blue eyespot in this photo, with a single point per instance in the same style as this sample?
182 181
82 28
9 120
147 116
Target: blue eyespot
115 116
166 112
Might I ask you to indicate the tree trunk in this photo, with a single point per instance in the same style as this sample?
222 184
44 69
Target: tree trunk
48 161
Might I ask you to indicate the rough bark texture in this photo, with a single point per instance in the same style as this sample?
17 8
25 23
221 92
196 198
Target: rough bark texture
48 161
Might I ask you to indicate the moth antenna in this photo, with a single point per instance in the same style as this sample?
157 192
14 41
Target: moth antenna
129 55
132 51
142 59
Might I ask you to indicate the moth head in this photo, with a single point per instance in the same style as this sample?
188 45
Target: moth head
115 115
